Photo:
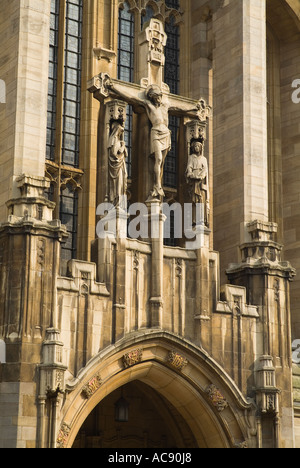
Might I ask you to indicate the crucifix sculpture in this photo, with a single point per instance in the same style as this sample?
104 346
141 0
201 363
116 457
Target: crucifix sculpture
154 97
153 103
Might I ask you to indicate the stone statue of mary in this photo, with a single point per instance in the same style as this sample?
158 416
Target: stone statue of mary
117 154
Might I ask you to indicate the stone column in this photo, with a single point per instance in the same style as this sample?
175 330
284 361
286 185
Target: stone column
157 267
240 123
24 63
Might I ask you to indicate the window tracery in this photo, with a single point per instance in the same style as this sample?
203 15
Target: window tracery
163 10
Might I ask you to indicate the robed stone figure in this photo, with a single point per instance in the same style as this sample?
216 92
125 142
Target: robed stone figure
117 154
197 179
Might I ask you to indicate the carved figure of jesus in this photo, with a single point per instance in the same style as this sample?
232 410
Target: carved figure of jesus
157 107
160 142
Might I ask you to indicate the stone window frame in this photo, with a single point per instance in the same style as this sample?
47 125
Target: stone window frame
64 113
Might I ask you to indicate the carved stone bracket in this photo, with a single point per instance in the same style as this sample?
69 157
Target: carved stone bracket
116 111
216 398
106 54
195 130
132 358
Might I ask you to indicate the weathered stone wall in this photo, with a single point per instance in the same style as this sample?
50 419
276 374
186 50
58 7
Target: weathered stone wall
24 62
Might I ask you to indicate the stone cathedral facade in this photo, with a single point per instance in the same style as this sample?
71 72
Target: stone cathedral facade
149 224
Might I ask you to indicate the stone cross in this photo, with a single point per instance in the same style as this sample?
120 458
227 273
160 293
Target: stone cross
153 102
153 97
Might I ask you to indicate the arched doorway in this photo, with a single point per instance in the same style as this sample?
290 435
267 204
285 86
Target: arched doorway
177 398
135 416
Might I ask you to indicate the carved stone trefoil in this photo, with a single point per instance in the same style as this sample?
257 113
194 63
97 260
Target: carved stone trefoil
92 386
132 358
176 360
216 398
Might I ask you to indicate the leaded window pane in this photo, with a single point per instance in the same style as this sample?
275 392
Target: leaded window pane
68 153
52 84
68 216
72 84
126 66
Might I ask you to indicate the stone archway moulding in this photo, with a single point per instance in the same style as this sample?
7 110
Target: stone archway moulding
206 397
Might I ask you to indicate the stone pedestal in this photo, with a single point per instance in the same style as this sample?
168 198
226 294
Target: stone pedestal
157 219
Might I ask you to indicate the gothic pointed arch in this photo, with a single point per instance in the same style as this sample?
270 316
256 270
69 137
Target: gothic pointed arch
194 384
